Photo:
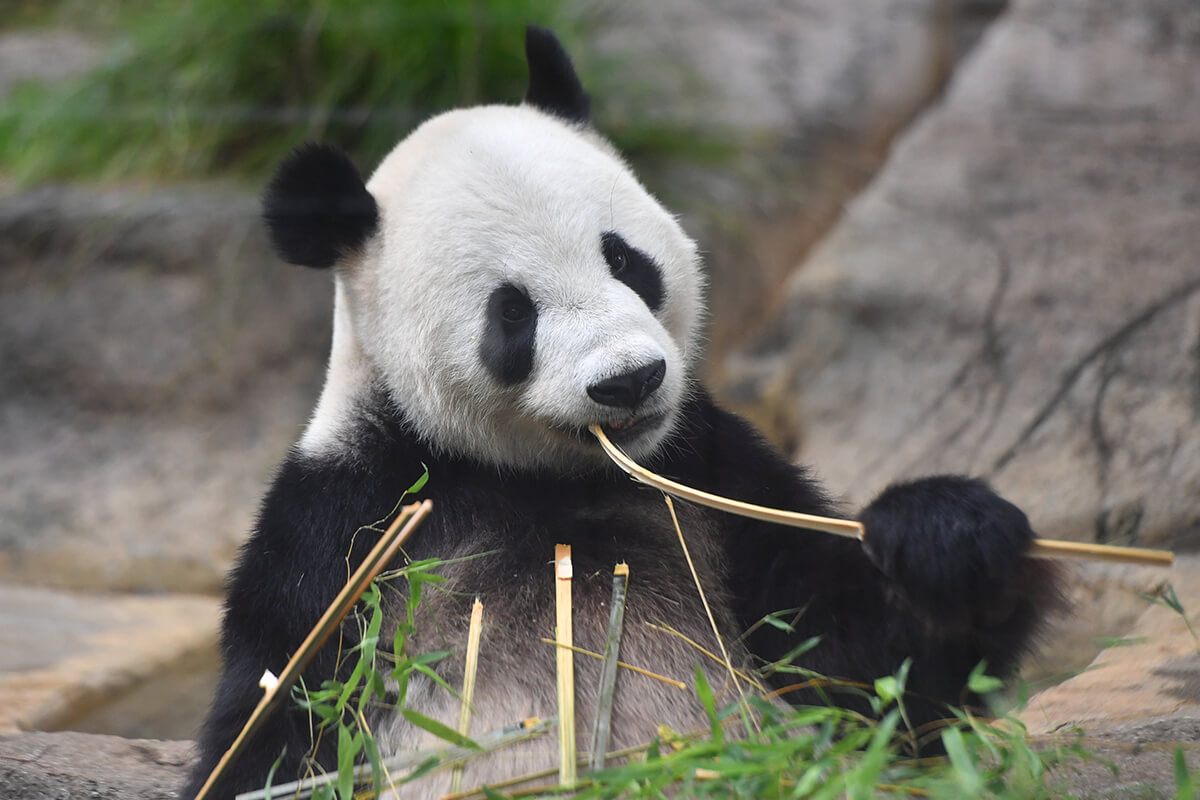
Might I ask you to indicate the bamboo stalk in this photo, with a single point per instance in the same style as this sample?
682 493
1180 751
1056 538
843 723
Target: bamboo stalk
600 657
1057 548
692 643
468 690
384 550
602 730
704 600
1040 548
565 660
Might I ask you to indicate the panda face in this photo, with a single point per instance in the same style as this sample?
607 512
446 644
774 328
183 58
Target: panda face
522 285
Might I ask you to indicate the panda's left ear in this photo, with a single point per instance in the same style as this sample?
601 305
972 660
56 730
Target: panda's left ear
553 85
317 207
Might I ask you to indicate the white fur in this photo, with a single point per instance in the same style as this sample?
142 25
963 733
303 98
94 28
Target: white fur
497 194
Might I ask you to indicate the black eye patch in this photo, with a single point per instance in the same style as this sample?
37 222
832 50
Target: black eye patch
633 268
506 348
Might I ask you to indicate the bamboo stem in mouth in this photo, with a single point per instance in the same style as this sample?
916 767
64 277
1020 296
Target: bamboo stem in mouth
1040 548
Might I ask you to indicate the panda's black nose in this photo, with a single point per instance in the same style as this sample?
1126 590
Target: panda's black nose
630 389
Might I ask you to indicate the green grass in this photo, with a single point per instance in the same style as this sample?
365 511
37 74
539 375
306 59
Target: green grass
219 87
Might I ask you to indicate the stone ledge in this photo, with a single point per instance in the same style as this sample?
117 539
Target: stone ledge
64 654
67 766
1154 678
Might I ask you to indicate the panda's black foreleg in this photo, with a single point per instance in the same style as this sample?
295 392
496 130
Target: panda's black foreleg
955 554
942 580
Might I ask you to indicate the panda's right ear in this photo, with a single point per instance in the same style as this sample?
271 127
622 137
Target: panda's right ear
317 207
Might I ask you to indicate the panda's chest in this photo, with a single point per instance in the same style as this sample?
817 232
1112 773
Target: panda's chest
665 622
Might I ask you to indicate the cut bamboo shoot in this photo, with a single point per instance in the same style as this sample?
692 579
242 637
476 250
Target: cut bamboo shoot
566 665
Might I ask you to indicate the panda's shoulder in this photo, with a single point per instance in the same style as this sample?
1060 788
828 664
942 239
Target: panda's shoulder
320 496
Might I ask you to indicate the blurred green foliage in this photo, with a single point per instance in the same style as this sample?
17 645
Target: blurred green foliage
201 88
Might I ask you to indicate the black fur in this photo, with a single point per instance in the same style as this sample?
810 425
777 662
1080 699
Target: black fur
506 348
633 268
553 85
317 208
871 615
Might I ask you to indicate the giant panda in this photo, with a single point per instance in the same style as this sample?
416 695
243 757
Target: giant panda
503 281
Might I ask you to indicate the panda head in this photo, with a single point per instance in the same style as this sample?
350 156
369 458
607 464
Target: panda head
502 278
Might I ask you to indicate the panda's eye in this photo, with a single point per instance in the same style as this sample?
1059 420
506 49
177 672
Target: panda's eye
619 260
509 334
511 307
515 311
616 253
634 268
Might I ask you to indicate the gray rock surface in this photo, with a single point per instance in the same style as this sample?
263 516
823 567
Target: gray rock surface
44 55
157 362
63 655
1147 682
1017 295
69 766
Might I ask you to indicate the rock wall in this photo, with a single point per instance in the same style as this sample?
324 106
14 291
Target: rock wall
157 361
1017 294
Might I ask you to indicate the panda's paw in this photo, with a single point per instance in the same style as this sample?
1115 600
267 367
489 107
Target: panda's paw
953 547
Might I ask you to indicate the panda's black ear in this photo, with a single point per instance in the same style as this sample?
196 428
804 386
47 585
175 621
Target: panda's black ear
317 207
553 85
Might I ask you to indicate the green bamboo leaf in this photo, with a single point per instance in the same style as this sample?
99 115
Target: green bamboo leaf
965 770
981 683
351 684
432 657
704 692
348 747
438 729
375 760
776 622
271 771
1185 787
888 689
421 481
433 676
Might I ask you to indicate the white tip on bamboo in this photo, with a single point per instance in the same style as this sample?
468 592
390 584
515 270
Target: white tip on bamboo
1041 548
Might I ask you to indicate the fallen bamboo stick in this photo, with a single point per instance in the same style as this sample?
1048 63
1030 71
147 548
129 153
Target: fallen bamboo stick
384 550
1040 548
565 660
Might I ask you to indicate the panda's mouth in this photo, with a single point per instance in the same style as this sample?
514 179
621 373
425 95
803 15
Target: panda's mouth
626 429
